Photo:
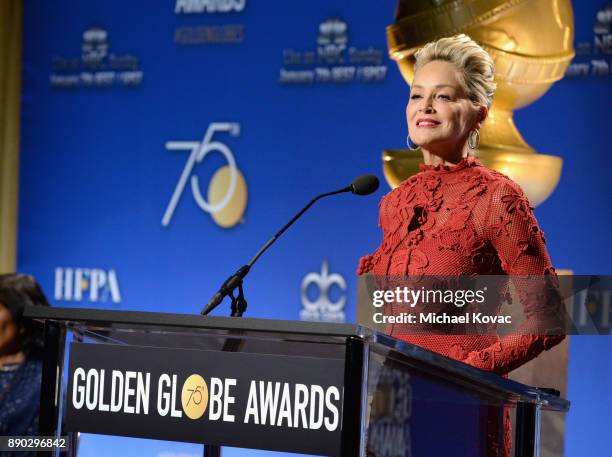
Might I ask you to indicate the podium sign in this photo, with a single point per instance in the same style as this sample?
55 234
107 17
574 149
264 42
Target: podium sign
273 402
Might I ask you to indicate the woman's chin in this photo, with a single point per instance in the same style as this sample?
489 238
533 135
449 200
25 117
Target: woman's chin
431 144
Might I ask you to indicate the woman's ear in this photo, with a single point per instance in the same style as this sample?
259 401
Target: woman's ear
483 112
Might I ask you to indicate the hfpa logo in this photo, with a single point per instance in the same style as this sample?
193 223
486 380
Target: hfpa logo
89 284
322 308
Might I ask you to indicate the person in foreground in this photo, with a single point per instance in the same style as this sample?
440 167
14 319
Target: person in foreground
457 217
21 346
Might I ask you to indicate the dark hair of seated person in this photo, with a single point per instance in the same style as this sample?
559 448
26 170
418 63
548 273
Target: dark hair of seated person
16 292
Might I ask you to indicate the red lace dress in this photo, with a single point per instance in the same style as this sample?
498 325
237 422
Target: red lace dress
463 219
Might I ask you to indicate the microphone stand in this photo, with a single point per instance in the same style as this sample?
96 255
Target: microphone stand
238 302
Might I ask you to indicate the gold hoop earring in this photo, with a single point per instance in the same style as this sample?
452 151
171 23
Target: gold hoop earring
473 143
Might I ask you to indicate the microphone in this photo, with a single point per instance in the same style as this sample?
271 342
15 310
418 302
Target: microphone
362 185
365 185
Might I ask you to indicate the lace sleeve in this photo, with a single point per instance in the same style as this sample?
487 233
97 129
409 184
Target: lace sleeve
367 262
513 231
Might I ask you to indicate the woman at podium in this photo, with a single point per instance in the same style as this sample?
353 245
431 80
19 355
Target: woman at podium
457 217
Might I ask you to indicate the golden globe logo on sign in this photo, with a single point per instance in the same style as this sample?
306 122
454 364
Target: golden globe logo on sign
274 403
194 396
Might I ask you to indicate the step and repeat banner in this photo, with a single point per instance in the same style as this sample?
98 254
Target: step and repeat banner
163 142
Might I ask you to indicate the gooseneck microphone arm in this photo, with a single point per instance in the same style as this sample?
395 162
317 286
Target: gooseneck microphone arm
290 223
363 185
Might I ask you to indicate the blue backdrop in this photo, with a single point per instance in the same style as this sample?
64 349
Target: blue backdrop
308 100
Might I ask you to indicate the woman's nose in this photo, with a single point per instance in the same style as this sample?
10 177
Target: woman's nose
426 106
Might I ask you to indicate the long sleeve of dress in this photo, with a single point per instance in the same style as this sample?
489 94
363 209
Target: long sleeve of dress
513 231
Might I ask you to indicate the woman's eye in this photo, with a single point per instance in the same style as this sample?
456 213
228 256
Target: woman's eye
444 97
414 97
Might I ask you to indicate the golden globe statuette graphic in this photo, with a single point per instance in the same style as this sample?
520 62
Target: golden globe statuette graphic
194 396
531 42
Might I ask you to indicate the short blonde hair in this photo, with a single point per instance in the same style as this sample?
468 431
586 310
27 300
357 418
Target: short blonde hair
475 65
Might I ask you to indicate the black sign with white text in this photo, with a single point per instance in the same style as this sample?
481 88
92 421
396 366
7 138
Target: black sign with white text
281 403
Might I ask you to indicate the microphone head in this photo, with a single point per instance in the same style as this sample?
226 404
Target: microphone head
365 185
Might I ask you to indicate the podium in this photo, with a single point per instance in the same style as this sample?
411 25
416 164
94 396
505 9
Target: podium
299 387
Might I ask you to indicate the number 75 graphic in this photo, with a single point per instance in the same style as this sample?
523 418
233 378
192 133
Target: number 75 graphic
227 211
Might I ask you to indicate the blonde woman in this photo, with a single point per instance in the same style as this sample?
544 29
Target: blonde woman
457 217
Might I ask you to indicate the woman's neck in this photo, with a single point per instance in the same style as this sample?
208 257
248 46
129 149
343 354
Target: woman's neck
444 156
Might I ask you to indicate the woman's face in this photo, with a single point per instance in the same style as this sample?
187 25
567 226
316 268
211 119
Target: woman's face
439 113
9 331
